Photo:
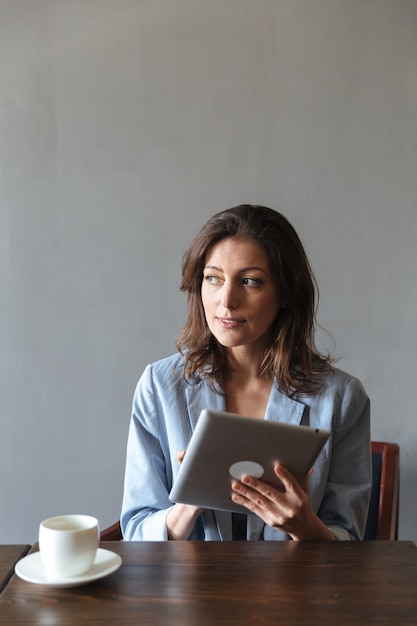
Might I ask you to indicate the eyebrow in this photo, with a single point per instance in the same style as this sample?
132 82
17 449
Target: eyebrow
251 268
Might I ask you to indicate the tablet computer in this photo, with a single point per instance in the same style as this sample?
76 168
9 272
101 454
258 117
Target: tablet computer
226 446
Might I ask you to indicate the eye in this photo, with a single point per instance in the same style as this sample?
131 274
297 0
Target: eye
212 280
251 282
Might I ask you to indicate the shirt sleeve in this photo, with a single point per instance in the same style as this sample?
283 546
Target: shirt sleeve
146 486
344 508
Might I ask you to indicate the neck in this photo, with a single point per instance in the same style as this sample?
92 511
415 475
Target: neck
242 364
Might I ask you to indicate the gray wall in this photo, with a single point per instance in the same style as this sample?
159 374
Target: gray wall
124 125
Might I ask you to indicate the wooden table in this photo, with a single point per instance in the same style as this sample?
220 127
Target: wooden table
241 583
9 555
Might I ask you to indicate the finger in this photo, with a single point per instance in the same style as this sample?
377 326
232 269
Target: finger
247 497
288 480
310 471
304 484
180 456
258 491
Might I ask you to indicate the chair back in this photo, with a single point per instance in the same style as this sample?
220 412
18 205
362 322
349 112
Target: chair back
112 533
382 523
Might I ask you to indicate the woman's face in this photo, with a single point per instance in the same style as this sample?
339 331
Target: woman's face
239 296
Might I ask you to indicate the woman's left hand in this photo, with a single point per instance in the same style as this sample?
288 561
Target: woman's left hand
289 511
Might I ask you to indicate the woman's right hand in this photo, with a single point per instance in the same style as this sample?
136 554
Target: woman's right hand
182 517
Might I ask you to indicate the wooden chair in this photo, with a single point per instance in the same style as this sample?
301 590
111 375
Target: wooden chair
383 512
112 533
383 509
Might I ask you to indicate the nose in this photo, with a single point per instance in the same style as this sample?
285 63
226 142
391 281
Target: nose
230 297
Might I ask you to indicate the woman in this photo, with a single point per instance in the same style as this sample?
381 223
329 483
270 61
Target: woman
248 348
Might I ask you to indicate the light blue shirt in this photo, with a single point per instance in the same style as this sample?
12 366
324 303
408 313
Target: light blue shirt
165 411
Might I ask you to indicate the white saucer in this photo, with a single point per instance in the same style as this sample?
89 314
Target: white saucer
31 569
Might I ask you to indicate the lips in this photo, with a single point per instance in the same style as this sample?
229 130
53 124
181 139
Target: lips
229 323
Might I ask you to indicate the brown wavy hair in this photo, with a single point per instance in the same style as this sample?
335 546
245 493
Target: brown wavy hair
291 356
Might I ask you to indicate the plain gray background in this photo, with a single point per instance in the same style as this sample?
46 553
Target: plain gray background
124 125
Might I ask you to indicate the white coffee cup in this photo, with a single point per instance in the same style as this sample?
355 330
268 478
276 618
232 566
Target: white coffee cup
68 544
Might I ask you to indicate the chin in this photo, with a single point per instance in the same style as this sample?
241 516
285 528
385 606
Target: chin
229 343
